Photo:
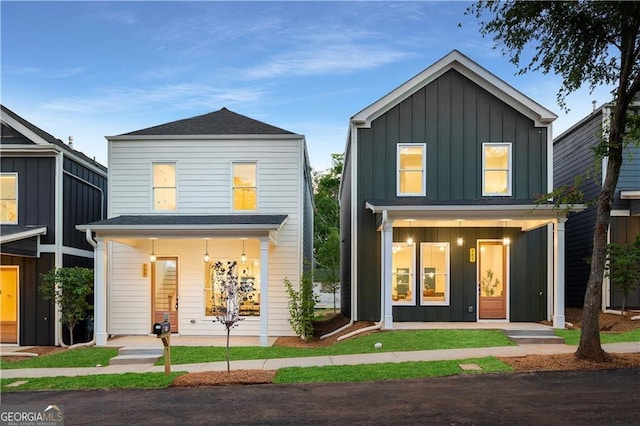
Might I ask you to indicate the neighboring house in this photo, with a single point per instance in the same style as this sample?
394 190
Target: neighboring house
439 219
573 158
46 188
186 194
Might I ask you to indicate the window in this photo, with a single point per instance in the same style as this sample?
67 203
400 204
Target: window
249 297
411 169
9 198
164 186
245 189
434 264
402 279
496 169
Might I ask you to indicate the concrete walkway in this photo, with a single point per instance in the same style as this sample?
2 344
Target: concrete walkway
274 364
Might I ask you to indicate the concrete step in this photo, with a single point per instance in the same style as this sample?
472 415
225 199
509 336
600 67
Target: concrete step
137 355
524 337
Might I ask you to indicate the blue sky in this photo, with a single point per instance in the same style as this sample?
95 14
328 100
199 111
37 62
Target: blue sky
92 69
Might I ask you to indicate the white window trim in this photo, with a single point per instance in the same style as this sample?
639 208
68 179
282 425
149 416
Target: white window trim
509 170
447 292
399 147
153 194
232 187
13 222
412 277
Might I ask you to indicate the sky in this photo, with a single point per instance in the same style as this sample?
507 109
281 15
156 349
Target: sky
94 69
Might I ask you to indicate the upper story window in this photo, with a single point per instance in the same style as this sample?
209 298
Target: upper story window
164 186
9 198
496 169
411 165
245 186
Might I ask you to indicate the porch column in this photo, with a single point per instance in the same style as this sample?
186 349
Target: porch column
559 256
385 285
264 291
100 294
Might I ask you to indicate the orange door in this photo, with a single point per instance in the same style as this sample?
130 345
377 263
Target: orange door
164 278
9 304
492 280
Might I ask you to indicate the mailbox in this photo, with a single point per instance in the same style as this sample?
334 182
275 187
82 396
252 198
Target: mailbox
161 328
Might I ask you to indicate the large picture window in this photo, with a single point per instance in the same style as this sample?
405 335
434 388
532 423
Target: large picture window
9 198
164 186
434 267
245 186
249 298
403 275
496 169
411 167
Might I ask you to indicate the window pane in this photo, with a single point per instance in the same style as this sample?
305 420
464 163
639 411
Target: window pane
411 182
8 199
496 182
8 187
402 274
164 199
244 199
244 175
435 273
411 158
164 175
496 157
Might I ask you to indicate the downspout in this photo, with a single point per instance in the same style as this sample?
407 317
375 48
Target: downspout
379 324
92 342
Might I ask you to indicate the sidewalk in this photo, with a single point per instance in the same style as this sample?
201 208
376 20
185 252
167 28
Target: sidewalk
274 364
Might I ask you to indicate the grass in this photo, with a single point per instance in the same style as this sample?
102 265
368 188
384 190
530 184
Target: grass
572 337
98 381
386 371
392 341
81 357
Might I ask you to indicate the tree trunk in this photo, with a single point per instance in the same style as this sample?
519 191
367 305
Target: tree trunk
590 346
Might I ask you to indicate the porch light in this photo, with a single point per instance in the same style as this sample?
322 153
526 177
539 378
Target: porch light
152 256
460 240
243 256
206 250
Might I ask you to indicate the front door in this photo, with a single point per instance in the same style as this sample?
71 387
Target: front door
9 304
492 280
164 280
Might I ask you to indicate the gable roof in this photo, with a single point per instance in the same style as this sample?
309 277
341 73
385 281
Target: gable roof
40 137
221 122
470 69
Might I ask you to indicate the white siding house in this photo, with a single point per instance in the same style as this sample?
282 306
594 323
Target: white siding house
185 195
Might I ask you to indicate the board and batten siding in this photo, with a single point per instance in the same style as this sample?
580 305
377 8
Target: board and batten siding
453 116
204 187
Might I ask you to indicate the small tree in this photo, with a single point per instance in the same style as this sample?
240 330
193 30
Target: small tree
69 288
302 306
231 294
623 267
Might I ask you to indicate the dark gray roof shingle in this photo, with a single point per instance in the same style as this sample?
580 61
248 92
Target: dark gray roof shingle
221 122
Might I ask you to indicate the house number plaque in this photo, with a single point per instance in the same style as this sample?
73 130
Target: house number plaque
472 255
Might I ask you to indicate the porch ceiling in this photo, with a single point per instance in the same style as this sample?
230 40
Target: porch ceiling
524 216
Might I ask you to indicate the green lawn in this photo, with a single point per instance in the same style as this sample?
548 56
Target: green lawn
99 381
392 341
387 371
572 337
81 357
346 373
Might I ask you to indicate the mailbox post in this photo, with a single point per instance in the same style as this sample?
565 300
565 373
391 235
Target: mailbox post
163 331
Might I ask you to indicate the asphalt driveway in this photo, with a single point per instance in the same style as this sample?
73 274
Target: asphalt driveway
568 398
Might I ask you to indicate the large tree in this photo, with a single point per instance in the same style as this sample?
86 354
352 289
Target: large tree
594 42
